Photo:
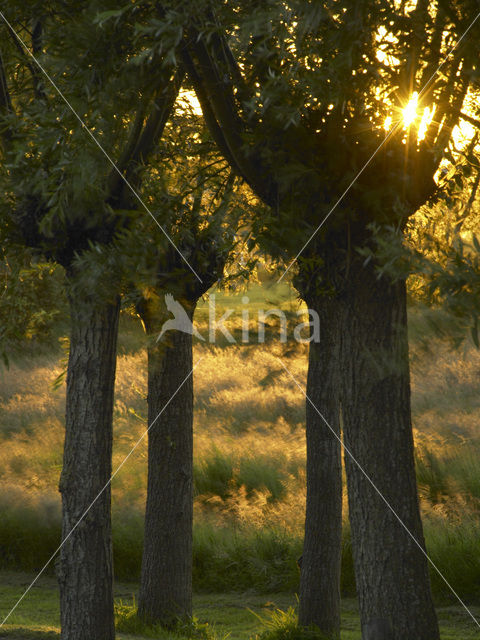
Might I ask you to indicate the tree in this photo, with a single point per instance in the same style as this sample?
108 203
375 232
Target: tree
67 202
307 94
195 197
166 578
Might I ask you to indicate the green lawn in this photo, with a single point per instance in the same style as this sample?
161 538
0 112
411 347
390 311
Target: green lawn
232 615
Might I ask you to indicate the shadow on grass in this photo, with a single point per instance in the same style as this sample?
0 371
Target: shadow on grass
23 633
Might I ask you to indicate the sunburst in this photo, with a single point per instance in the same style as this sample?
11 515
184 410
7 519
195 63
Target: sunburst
410 110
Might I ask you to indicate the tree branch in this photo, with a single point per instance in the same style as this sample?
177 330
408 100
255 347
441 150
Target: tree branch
115 180
208 114
6 107
418 19
443 103
155 125
467 118
36 49
223 51
473 193
435 47
452 117
37 87
219 96
142 141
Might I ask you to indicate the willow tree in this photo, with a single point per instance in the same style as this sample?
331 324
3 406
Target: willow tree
306 101
67 201
195 196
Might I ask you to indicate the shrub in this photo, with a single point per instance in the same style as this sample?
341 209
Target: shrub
221 474
214 474
283 625
231 558
260 472
455 550
127 621
30 529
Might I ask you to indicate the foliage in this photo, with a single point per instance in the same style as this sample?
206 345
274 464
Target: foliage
283 625
202 212
214 475
31 300
127 621
440 252
307 91
454 548
241 557
65 199
222 474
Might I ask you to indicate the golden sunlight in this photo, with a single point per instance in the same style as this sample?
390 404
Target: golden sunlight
425 122
410 115
410 111
189 101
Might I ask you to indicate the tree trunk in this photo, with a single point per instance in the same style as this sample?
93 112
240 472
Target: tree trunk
166 579
391 570
86 568
321 559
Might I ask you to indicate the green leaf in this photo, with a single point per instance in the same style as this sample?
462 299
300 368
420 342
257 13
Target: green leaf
107 15
59 380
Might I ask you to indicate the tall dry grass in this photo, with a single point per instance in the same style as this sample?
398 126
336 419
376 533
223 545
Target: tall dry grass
249 462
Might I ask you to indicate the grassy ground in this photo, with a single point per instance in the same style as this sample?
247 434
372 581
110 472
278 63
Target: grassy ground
233 615
249 468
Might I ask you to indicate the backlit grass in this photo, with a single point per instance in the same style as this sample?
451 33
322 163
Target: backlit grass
249 459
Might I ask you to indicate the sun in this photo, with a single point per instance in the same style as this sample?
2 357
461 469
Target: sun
410 110
408 114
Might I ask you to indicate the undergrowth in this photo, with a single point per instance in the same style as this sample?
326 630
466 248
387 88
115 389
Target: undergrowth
127 621
283 625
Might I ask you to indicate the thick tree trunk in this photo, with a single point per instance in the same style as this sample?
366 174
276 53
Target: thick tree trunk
321 560
166 579
86 571
391 570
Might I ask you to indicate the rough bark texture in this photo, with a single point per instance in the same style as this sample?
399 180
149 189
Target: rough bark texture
391 571
321 560
85 570
166 579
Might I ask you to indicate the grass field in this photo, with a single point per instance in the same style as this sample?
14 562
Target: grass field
238 616
249 472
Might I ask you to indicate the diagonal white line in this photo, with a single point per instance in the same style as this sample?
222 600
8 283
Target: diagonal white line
350 454
387 137
85 127
99 494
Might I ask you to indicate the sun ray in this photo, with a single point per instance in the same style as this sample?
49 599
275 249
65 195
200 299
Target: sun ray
410 110
425 122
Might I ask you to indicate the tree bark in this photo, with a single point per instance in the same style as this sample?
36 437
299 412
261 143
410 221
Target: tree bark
321 559
86 570
166 579
391 570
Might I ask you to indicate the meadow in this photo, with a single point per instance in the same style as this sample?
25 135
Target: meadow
249 472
